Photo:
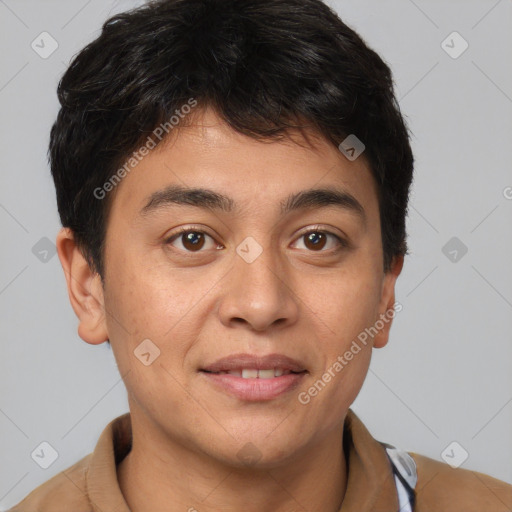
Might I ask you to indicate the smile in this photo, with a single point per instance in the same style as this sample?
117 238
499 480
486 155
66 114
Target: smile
254 385
253 373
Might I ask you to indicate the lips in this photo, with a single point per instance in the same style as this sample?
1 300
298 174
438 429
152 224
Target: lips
253 373
253 366
255 378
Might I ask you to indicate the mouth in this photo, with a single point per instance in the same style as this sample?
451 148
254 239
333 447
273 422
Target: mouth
255 378
254 373
251 363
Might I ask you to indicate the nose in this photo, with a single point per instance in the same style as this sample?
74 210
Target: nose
259 294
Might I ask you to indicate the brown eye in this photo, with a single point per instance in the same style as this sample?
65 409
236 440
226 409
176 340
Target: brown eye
190 241
317 240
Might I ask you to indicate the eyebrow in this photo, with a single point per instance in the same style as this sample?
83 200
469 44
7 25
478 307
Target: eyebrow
211 200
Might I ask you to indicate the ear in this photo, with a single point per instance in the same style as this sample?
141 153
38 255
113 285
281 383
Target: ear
85 290
386 305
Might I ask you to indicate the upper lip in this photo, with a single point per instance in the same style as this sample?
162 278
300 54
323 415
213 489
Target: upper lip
249 361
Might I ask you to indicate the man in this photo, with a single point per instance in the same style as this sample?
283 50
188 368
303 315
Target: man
232 179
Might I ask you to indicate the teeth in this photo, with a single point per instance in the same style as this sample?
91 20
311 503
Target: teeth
266 374
253 373
249 374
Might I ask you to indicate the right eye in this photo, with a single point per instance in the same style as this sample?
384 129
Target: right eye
191 240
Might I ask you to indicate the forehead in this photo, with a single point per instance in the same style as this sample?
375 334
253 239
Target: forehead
250 174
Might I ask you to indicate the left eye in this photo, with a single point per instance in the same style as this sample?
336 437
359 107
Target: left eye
316 240
192 241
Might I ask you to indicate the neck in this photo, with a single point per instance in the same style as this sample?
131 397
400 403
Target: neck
160 475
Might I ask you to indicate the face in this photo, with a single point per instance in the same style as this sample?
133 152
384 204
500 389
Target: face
268 269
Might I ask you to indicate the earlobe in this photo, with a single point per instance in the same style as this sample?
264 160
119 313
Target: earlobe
85 290
386 311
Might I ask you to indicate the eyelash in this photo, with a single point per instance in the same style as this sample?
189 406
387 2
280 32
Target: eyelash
343 244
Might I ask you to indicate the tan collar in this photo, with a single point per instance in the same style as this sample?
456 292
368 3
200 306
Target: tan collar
370 486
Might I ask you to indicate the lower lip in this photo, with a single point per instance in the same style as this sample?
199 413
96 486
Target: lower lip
255 389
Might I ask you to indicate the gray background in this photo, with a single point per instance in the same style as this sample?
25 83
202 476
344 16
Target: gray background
445 375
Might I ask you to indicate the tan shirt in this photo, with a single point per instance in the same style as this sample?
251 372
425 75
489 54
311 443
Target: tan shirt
91 484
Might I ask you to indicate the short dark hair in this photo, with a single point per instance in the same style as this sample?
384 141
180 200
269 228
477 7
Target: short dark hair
265 66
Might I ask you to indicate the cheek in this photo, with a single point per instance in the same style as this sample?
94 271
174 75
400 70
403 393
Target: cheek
331 392
147 301
147 318
348 305
146 304
344 307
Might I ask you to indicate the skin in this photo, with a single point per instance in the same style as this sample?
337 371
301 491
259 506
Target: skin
296 299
